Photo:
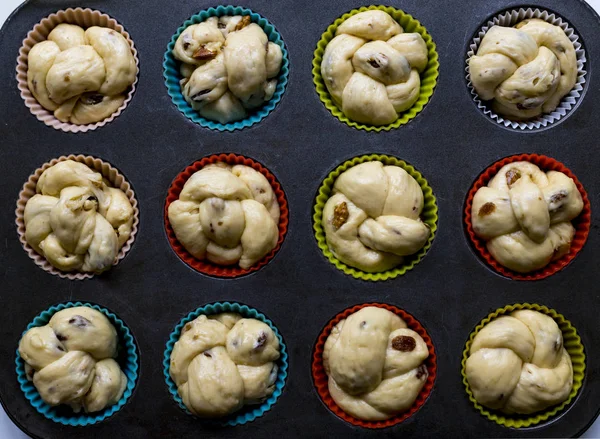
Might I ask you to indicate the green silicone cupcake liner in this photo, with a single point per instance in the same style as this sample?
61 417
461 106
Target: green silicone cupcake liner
172 75
572 344
428 77
429 216
128 361
247 413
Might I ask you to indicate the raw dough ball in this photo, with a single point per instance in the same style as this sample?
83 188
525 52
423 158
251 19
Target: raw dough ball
70 360
517 364
229 67
222 362
371 68
525 216
373 219
524 70
76 220
81 76
375 364
228 215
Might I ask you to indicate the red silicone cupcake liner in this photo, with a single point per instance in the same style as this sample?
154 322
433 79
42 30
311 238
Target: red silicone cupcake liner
320 378
581 223
206 267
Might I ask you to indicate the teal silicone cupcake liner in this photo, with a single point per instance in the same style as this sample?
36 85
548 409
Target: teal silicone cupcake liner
172 75
128 360
247 413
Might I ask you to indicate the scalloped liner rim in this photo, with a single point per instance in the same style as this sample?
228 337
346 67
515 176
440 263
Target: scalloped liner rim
131 371
428 77
32 104
318 372
430 210
583 221
206 268
30 187
577 351
251 413
171 71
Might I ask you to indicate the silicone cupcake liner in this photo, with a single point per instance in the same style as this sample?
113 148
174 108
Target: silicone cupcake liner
581 223
429 215
207 267
428 76
84 18
320 378
568 102
172 75
572 344
29 190
247 413
128 361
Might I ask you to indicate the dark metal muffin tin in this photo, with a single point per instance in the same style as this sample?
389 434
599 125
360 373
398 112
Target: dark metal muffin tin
450 142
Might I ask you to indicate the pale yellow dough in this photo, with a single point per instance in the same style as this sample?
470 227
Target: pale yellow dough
382 224
222 362
371 68
228 66
375 364
227 214
81 76
76 220
517 364
525 216
524 70
71 360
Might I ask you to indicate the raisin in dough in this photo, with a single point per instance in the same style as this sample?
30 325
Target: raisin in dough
517 364
229 67
371 68
226 214
374 364
525 214
222 362
373 219
524 70
70 360
81 76
76 220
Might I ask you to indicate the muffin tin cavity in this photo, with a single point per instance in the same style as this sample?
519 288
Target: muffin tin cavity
127 359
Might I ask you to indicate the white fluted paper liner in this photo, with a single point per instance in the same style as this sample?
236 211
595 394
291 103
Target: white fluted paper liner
509 19
116 179
84 18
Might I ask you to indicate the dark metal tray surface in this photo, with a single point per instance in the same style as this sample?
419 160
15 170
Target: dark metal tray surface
450 142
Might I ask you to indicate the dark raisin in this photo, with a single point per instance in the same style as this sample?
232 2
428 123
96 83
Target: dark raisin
92 99
67 78
486 209
262 191
212 229
501 397
79 321
207 354
512 175
374 63
421 371
559 196
61 337
199 96
220 223
221 25
363 324
404 343
260 341
186 46
60 348
187 326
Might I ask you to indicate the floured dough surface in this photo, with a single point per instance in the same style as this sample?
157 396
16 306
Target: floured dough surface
222 362
77 221
372 220
228 215
372 68
375 364
229 67
82 76
71 360
518 364
524 70
525 214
